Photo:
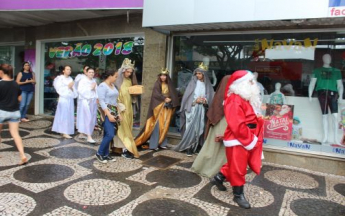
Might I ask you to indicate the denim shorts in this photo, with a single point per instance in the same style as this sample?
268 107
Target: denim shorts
6 116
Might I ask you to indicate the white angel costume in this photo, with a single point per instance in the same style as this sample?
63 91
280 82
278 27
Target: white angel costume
64 116
87 115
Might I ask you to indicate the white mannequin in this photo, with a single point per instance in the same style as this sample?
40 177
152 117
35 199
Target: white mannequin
326 64
272 99
261 88
206 61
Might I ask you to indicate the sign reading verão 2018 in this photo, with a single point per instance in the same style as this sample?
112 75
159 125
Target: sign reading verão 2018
86 49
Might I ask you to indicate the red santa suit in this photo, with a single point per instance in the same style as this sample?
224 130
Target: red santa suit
243 137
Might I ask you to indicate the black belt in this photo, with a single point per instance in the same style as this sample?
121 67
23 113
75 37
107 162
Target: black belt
251 126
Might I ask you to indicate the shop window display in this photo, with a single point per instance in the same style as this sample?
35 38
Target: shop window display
101 54
300 76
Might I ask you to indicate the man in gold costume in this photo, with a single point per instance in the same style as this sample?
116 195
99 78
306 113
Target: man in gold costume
124 138
164 100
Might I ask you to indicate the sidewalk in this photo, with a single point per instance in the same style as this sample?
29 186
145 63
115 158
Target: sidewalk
64 178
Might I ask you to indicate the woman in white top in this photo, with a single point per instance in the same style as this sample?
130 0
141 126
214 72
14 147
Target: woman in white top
64 116
87 116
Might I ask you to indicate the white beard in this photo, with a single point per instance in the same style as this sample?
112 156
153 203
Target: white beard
249 92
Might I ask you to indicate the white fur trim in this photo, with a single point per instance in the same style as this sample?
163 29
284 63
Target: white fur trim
230 143
252 144
248 76
235 142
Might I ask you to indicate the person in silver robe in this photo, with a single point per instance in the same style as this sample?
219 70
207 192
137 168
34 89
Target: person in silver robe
199 93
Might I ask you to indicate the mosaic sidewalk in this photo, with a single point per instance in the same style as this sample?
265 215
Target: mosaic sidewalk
64 178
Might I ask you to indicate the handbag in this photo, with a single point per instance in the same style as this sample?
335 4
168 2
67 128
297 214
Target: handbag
136 89
101 116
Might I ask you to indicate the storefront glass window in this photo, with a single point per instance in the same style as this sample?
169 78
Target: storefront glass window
289 66
6 55
100 54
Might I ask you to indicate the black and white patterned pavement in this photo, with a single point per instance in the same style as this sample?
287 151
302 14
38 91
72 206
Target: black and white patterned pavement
64 178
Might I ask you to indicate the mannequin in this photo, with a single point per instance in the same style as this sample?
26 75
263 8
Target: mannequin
277 97
183 78
206 61
261 87
329 86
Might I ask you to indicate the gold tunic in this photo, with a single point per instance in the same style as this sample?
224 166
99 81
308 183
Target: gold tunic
124 137
161 115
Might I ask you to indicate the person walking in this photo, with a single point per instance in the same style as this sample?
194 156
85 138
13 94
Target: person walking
107 97
87 91
10 95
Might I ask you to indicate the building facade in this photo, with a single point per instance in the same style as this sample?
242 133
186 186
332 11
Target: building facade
285 43
77 34
296 48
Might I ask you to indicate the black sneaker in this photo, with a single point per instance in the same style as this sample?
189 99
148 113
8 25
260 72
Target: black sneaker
109 158
101 159
126 154
189 152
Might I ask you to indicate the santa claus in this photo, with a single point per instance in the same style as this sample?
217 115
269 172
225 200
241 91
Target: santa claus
243 136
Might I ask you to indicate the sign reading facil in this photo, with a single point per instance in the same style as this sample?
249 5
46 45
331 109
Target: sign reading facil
336 8
80 50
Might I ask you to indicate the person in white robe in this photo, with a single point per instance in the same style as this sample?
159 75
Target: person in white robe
76 84
87 115
64 115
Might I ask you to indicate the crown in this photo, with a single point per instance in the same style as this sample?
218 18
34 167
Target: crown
127 63
164 71
202 66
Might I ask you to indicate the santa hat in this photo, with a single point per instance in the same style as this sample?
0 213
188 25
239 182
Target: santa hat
238 77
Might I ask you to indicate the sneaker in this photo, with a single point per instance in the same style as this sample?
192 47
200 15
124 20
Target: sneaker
163 147
101 159
91 141
189 152
126 154
109 158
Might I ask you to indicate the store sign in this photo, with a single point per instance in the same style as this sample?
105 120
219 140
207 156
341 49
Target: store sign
336 8
299 145
286 44
278 121
98 49
338 149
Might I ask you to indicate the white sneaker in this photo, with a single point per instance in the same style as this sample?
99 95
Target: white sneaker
91 141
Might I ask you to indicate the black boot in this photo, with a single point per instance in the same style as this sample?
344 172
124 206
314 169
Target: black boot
218 181
239 197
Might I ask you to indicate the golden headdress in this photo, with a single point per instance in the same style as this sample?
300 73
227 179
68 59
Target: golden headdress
164 71
127 63
203 67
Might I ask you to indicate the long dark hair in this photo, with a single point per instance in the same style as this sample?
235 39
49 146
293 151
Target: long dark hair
64 68
7 69
26 62
108 73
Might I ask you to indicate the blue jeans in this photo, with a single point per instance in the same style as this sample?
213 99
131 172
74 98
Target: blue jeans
109 133
25 102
